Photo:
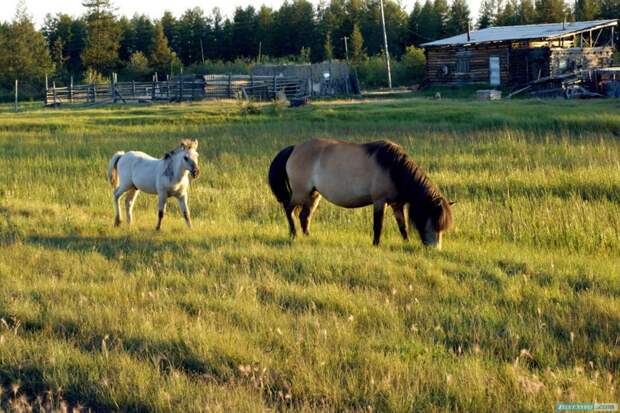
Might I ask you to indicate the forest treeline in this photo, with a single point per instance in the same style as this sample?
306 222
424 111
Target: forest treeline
91 46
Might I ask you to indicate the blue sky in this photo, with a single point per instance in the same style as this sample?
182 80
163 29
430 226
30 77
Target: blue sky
154 8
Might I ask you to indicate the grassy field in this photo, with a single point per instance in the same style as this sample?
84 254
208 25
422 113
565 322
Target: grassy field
521 309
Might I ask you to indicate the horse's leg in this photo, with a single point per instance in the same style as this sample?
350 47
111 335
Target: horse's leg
118 192
399 214
161 209
185 209
307 210
379 209
290 210
129 201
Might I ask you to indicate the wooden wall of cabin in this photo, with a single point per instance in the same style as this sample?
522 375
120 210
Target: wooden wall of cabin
440 58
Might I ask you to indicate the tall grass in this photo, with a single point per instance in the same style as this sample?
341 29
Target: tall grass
520 311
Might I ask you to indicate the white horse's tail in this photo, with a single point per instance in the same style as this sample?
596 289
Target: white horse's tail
112 172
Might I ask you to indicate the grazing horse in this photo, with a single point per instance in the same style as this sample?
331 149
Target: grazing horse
135 171
354 175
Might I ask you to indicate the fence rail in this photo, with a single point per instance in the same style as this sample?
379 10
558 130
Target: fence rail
182 88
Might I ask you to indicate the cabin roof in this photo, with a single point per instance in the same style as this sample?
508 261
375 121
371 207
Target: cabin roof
524 32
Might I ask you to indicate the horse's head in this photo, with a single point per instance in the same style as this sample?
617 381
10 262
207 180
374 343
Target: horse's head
432 221
188 148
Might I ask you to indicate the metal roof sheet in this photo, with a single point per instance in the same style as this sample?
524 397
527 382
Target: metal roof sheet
524 32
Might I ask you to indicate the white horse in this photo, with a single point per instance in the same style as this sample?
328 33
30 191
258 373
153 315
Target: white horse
135 171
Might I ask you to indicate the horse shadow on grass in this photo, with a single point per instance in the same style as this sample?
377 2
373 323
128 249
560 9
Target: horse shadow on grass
131 252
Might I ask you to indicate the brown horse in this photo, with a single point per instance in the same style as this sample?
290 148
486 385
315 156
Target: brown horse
355 175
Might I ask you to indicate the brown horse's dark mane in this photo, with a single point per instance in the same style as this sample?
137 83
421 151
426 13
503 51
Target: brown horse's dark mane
413 185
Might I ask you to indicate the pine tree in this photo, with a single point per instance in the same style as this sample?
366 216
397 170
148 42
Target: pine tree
509 14
162 56
429 23
25 54
610 9
441 15
527 13
328 47
413 26
357 45
458 18
551 11
102 42
586 10
487 14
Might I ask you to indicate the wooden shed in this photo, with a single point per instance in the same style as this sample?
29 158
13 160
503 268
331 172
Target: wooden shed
514 55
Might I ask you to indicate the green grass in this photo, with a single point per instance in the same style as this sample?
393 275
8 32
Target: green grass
519 311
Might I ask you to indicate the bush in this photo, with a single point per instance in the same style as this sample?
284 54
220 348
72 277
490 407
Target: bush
405 72
412 65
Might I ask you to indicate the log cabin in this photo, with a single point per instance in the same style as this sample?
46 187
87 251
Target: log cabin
515 55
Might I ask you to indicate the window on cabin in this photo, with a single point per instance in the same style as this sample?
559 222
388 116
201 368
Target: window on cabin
462 61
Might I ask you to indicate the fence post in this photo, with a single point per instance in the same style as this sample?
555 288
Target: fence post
16 87
275 88
54 91
94 92
181 88
153 90
113 87
229 86
133 88
46 88
71 90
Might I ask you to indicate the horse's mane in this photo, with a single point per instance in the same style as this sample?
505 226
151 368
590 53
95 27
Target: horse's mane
412 183
184 144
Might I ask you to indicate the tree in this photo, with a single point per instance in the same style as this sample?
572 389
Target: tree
487 14
264 23
244 32
25 54
610 9
102 41
414 62
327 46
551 11
508 15
441 15
429 23
413 28
162 57
71 33
586 10
138 65
192 32
143 34
357 45
527 13
458 18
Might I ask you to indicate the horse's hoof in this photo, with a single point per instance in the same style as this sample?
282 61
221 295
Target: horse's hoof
117 223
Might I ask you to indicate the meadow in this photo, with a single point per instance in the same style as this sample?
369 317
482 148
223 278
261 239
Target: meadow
519 311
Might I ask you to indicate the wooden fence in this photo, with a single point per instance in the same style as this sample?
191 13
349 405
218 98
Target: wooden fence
176 89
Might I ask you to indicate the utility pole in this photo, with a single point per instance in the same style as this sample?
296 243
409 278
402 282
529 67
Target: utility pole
385 45
346 48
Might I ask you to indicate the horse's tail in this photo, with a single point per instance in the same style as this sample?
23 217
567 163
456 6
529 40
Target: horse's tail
278 178
112 171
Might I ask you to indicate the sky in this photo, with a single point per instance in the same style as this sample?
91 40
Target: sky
155 8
